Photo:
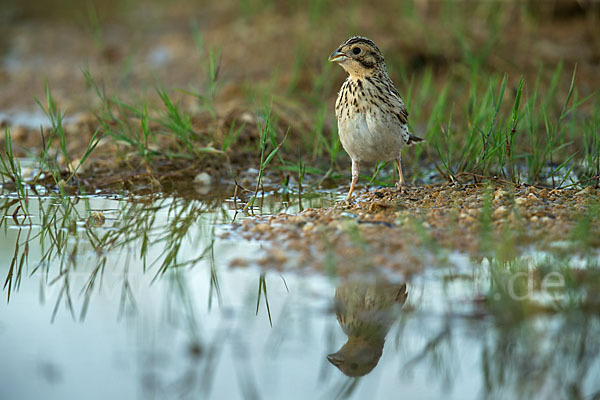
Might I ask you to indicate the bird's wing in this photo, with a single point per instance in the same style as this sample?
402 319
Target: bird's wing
402 111
402 114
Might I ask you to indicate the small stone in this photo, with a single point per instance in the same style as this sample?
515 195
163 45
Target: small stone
309 213
532 197
246 223
308 227
530 190
520 201
500 212
260 228
238 263
468 219
96 219
277 256
203 179
247 117
295 219
500 194
27 172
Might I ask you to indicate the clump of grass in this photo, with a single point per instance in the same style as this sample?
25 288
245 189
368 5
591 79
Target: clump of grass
144 130
268 136
490 139
141 131
57 133
10 169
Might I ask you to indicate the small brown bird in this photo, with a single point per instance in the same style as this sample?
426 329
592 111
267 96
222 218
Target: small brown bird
366 312
370 113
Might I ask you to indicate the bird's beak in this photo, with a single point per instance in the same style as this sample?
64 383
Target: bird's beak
337 56
336 359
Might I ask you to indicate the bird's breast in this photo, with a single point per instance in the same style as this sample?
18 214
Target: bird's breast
368 123
371 135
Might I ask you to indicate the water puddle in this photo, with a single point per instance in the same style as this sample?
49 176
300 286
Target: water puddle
137 298
32 119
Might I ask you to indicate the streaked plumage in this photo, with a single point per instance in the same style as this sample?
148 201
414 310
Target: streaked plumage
365 311
371 115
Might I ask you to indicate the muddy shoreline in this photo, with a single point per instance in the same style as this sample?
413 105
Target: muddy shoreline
384 228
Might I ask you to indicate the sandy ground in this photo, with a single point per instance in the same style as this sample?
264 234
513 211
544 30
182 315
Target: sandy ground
384 228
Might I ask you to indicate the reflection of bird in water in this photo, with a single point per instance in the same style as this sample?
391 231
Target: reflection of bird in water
365 311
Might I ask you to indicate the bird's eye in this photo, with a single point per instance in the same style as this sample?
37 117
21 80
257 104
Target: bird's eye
356 50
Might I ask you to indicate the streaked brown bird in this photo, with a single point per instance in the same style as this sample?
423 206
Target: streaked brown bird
365 311
370 113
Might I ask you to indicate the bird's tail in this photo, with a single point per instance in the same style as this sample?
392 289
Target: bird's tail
414 139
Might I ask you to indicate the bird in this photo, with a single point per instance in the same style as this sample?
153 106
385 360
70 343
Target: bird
371 116
365 312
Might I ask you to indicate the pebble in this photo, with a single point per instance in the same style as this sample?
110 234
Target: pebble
500 195
295 219
308 227
520 201
238 263
309 213
27 172
277 255
348 215
203 178
96 219
500 212
262 227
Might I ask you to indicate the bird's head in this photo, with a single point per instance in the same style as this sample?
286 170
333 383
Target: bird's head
359 56
357 357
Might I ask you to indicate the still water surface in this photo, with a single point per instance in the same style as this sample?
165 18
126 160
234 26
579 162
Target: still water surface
135 298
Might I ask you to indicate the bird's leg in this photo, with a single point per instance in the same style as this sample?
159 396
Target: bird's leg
400 175
354 179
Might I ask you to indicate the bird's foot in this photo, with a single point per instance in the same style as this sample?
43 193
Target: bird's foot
350 198
402 186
